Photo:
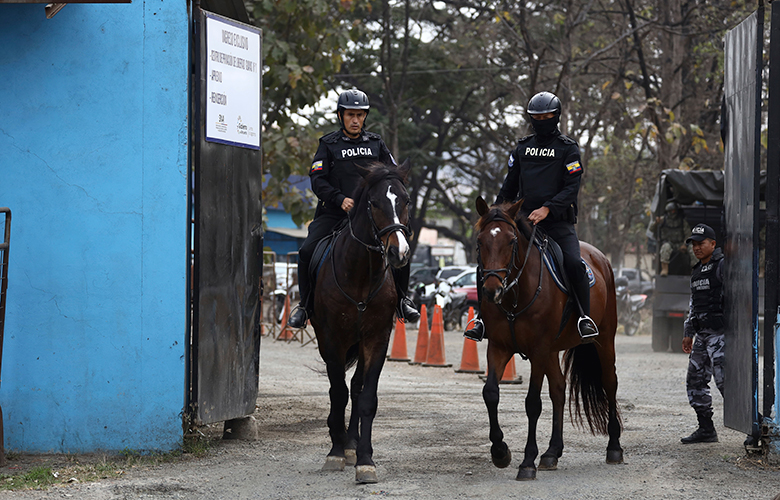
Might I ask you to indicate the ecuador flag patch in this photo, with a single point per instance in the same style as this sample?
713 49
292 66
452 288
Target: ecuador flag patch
574 167
316 166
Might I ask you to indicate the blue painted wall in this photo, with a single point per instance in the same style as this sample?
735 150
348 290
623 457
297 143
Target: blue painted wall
93 164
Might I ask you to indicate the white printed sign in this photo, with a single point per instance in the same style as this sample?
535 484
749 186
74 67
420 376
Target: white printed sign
233 73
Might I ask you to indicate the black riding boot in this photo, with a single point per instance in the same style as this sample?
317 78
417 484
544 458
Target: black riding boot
476 329
706 431
585 325
300 314
405 307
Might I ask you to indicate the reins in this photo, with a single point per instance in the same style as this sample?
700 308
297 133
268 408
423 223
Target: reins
378 233
511 316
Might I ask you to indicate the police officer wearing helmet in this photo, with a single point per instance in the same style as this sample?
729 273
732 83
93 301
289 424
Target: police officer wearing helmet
335 175
705 323
545 170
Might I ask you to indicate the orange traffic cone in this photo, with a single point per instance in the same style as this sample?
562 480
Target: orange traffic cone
285 333
422 338
398 353
469 359
510 374
436 345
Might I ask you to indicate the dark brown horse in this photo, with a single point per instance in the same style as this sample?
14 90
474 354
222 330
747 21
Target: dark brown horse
522 309
355 302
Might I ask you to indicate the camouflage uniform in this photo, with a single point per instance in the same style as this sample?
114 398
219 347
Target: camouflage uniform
672 232
705 360
705 322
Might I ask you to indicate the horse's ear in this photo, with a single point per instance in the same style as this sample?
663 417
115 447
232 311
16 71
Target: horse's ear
482 206
404 169
512 212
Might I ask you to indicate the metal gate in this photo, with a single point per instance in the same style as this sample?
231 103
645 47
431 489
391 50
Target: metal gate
742 67
223 361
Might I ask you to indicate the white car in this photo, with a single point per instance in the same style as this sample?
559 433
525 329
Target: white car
450 273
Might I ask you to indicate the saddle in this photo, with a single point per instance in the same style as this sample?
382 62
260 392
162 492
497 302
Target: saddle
321 252
552 256
553 261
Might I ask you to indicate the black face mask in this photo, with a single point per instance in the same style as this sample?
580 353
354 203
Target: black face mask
545 128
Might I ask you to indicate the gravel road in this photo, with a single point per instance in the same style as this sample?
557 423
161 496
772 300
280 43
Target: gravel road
431 441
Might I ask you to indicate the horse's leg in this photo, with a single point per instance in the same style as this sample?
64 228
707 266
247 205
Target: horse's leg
557 383
533 408
339 395
610 382
353 435
373 353
497 361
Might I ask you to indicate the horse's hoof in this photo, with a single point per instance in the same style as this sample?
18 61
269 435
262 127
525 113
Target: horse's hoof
351 456
526 474
501 457
548 462
365 474
334 463
614 456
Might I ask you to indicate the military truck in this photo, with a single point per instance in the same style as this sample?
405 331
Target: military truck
699 194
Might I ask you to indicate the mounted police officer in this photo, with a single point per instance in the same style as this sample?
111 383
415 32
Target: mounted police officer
705 323
335 175
545 170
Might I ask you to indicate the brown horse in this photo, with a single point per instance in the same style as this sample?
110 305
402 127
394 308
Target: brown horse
354 305
523 309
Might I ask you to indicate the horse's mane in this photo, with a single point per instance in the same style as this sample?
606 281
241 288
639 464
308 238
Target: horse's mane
372 174
520 222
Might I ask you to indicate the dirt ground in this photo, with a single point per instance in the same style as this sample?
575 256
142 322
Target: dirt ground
431 441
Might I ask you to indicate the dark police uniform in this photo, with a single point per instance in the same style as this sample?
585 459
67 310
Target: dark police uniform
705 322
335 176
548 174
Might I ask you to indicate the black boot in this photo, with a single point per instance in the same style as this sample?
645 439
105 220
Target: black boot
477 330
298 318
407 311
706 431
405 307
301 313
585 325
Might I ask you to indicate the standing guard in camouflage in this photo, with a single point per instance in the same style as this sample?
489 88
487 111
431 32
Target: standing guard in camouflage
705 323
672 230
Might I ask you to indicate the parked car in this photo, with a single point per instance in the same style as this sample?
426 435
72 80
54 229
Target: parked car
639 281
466 278
447 272
426 275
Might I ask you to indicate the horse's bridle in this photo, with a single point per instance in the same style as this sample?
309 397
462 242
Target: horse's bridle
378 233
505 283
379 248
486 273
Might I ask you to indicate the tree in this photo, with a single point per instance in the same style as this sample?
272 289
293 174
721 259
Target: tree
303 44
640 80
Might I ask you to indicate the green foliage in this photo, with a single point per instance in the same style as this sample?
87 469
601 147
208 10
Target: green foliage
641 83
36 478
303 45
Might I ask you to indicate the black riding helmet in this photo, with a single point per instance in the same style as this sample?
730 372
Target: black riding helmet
544 102
351 99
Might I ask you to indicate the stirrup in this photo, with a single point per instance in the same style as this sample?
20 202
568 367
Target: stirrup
294 312
587 329
407 311
477 331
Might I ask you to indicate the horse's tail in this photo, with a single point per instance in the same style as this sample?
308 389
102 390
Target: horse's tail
586 391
